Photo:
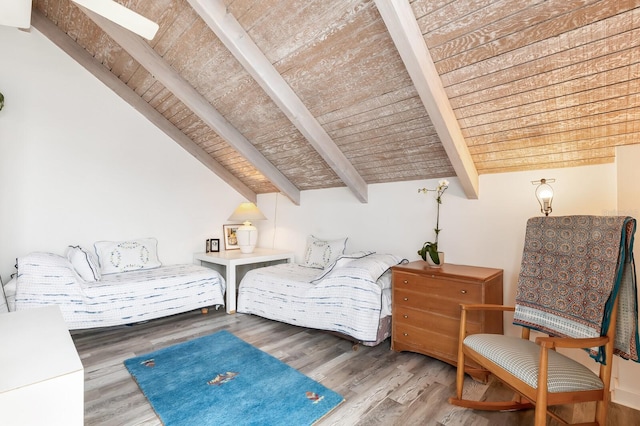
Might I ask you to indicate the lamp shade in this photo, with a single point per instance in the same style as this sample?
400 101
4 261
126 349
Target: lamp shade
246 212
247 234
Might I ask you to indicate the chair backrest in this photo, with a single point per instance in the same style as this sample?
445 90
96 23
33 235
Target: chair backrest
571 271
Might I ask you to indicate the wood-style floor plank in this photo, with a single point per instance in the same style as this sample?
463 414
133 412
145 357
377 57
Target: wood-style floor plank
381 387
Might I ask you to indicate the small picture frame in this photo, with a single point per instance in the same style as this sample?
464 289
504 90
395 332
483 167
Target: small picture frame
230 238
214 245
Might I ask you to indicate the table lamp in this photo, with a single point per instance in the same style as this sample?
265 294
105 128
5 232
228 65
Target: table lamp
247 234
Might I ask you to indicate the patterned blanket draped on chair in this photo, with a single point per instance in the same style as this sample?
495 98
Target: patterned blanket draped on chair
572 269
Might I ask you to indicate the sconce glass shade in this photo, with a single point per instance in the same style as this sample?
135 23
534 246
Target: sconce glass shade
544 194
247 234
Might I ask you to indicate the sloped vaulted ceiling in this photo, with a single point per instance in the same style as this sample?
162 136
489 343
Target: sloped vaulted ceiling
291 95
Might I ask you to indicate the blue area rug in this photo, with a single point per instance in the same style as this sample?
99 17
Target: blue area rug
222 380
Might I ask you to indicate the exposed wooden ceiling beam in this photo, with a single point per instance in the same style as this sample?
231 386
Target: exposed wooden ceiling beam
240 44
406 34
80 55
164 73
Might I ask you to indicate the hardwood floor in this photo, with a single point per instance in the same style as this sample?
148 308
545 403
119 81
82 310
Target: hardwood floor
381 387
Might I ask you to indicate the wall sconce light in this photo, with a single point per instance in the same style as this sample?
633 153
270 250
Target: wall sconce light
247 234
544 194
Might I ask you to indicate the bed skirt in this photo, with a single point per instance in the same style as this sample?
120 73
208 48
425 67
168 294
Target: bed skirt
384 332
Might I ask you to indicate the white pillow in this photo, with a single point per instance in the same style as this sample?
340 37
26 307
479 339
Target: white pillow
370 267
124 256
320 253
84 262
340 262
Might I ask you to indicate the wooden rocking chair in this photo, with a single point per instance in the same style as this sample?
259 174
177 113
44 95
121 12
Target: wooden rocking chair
577 276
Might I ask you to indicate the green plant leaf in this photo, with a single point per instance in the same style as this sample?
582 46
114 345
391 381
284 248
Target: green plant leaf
430 249
433 254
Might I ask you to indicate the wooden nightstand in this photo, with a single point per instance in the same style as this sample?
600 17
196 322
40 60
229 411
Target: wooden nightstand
426 308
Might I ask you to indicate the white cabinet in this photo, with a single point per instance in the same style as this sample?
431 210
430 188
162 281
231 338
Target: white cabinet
41 376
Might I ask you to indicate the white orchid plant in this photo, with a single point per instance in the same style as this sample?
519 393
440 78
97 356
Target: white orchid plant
431 248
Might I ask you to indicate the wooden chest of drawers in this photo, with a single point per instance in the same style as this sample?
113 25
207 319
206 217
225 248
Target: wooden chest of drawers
426 307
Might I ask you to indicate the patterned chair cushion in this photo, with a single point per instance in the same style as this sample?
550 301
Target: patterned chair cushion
521 358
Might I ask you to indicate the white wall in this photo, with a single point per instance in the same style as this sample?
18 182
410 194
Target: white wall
78 164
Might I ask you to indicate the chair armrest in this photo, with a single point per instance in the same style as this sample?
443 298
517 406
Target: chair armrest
477 307
486 307
569 342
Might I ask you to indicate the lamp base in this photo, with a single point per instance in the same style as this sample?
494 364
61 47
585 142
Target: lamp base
247 238
247 249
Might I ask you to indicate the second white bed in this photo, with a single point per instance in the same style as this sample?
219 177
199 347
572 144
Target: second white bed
351 297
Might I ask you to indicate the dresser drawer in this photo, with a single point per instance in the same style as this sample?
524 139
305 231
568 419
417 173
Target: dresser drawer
434 302
445 288
447 326
430 342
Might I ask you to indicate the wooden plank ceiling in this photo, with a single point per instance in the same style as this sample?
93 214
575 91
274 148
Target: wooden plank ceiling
338 92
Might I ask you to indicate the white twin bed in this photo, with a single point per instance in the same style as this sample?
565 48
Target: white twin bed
89 299
351 296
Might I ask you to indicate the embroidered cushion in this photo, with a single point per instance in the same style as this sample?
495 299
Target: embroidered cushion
124 256
520 357
84 263
321 253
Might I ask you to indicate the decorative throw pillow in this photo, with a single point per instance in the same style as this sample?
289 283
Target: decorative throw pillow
340 262
320 253
370 267
84 262
124 256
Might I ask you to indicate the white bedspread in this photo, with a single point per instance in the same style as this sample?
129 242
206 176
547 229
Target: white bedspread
350 297
45 279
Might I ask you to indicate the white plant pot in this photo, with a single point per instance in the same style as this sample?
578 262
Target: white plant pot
436 265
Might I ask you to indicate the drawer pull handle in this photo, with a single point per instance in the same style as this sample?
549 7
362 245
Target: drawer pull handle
406 281
405 334
406 316
463 291
405 298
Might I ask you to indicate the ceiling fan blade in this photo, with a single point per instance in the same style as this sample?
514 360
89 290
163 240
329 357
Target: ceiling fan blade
122 16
